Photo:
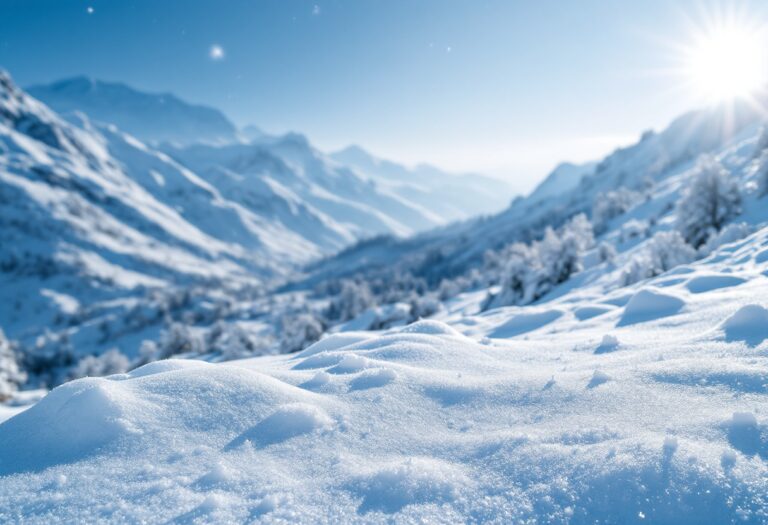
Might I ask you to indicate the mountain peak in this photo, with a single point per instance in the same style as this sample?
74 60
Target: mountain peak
152 117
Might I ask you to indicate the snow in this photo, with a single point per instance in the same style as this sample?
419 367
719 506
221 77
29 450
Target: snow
424 423
749 324
648 304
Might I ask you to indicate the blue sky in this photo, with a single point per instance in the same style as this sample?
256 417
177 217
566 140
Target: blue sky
505 87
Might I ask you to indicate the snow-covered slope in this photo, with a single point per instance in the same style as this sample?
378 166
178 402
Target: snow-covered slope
287 179
564 178
648 164
642 405
150 117
108 242
451 197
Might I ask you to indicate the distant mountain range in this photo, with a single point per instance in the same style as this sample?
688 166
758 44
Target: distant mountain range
110 190
568 190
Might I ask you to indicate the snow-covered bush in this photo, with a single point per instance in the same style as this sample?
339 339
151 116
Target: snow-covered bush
709 203
660 254
606 252
560 253
177 338
533 270
634 229
298 331
731 233
519 277
352 300
424 306
11 375
761 175
232 341
110 362
612 204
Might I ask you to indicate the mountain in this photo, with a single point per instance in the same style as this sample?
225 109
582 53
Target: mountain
151 117
99 224
452 197
289 180
655 158
565 177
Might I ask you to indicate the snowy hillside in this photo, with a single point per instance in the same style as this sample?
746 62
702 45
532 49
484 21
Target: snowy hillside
642 405
147 116
451 197
102 232
564 178
641 169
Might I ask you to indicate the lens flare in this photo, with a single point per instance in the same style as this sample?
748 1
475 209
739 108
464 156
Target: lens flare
727 61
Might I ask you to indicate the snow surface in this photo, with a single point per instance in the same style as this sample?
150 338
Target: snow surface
654 411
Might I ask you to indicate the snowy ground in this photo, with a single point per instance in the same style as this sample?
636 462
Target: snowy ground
648 404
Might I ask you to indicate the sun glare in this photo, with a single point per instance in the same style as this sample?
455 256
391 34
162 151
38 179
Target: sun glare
727 61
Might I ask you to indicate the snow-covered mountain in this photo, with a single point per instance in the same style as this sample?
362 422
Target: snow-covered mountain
452 197
150 117
655 158
564 178
97 221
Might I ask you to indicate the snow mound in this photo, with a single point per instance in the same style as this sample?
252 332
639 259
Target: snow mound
524 323
584 313
285 423
429 327
373 379
391 487
74 421
749 324
92 417
610 343
350 364
598 378
333 342
647 305
707 283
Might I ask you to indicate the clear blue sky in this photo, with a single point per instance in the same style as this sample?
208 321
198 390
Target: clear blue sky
506 87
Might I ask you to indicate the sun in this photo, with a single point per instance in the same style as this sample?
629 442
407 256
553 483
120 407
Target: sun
727 60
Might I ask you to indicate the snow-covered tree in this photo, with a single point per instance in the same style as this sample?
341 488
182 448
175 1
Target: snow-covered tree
232 341
560 253
660 254
709 203
177 338
298 331
110 362
533 270
424 306
606 252
11 374
731 233
612 204
520 276
352 300
761 175
634 229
